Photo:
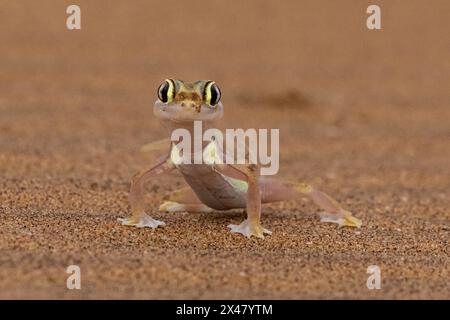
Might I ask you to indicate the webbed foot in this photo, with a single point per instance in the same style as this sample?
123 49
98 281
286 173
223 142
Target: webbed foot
249 229
144 221
345 219
171 206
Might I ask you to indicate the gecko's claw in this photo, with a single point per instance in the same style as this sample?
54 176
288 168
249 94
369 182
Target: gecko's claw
248 229
144 221
345 219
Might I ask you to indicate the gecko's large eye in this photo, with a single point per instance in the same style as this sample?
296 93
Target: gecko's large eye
166 91
212 94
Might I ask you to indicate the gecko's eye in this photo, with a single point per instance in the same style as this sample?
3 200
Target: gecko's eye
166 91
212 94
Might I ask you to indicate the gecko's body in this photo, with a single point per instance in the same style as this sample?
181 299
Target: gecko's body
214 189
214 185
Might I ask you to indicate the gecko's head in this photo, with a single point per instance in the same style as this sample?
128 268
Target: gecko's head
180 101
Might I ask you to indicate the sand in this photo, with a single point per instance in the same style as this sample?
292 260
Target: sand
363 115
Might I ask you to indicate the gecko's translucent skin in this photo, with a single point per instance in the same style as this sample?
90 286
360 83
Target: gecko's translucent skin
214 185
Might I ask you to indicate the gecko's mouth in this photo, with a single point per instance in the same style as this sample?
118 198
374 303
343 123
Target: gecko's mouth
183 114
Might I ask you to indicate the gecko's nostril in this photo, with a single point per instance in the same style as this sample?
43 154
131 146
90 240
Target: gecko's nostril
191 106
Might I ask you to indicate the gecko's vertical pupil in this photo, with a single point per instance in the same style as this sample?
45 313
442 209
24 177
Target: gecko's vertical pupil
163 92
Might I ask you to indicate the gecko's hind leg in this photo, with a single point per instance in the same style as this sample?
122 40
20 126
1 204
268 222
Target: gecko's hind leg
274 190
183 200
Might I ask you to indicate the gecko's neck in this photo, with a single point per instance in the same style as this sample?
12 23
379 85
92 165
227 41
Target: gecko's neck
196 130
171 125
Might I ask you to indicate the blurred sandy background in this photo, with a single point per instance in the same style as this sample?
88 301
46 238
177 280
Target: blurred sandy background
363 115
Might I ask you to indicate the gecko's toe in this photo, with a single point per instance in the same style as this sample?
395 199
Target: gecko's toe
249 230
130 221
144 221
346 219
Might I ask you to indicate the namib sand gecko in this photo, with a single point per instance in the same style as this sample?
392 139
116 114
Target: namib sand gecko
213 184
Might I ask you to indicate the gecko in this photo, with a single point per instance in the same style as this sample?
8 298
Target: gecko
215 185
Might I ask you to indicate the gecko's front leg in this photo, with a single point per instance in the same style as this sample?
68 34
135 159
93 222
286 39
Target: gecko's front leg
252 225
138 216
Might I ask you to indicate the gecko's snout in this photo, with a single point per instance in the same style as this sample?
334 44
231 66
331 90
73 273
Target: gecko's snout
191 105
